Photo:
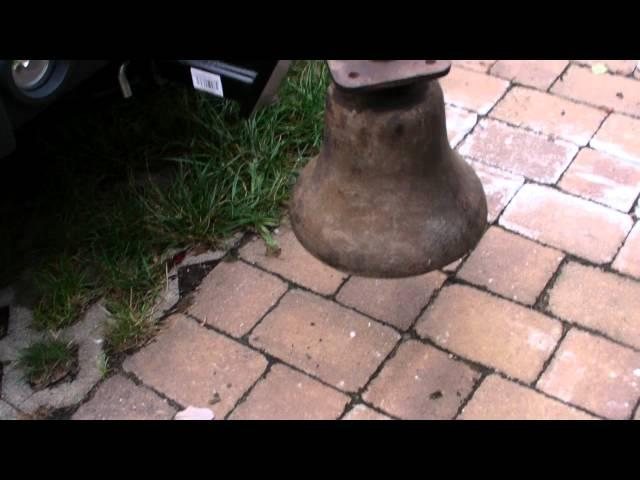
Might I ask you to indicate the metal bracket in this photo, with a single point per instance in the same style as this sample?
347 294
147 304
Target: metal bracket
368 75
269 92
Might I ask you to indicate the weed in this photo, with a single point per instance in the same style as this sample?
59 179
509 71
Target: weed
48 361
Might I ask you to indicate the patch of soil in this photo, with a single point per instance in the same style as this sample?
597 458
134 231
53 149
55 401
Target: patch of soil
191 276
61 373
4 321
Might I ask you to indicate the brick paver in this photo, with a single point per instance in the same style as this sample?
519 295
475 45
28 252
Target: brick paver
534 73
394 301
197 367
119 398
453 265
619 136
499 187
7 412
549 114
599 300
362 412
289 395
622 67
628 259
518 151
577 226
511 265
613 92
472 90
294 263
603 178
336 344
459 123
234 296
421 382
491 331
477 65
595 374
500 399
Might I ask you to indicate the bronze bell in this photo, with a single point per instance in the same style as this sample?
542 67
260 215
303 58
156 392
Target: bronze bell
387 196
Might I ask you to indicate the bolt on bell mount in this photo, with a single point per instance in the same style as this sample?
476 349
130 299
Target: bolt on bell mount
387 197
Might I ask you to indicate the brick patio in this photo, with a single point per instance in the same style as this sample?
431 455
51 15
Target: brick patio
540 321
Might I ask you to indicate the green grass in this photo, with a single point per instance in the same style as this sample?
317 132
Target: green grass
46 361
130 324
66 292
237 174
167 170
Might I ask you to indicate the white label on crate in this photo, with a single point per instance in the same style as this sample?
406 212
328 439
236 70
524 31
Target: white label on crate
207 82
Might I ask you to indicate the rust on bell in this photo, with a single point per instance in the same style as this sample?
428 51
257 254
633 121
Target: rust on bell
387 197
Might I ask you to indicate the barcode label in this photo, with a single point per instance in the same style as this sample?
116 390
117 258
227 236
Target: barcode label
207 82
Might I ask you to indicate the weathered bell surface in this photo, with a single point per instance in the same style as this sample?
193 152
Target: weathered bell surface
387 197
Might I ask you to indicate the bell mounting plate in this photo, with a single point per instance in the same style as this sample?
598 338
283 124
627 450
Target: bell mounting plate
367 75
